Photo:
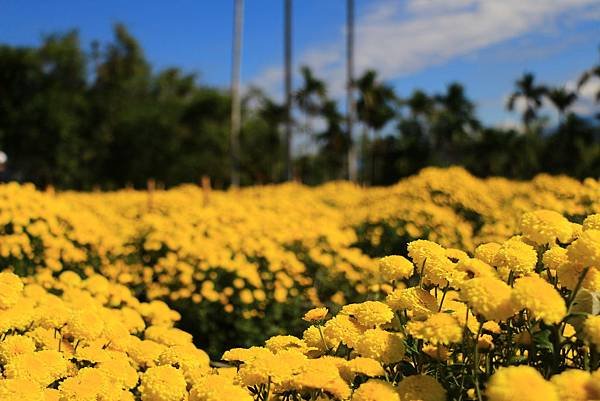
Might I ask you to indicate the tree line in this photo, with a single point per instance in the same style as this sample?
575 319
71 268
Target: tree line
78 118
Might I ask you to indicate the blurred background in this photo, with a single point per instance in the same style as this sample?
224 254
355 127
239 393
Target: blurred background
111 94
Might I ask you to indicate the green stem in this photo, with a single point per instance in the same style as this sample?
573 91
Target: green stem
476 363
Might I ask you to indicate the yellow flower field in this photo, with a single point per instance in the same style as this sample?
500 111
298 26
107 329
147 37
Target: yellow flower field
441 287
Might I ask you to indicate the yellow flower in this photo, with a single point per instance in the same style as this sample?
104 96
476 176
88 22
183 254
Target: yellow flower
489 297
591 329
15 345
572 385
592 222
487 252
420 302
440 328
163 383
20 390
421 388
421 250
540 298
42 367
555 257
545 227
11 288
394 267
516 256
342 329
280 343
522 383
168 335
475 268
381 345
369 313
315 314
364 366
217 388
585 250
376 390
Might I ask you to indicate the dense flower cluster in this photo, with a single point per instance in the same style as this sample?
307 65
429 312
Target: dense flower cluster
490 287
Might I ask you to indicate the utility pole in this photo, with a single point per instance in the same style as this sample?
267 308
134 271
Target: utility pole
288 88
234 139
350 104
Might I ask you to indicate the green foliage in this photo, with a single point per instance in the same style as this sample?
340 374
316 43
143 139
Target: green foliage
79 119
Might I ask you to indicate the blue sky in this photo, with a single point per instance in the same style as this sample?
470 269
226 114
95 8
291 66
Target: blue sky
485 44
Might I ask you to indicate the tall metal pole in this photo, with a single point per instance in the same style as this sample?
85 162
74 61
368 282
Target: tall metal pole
235 93
350 104
288 88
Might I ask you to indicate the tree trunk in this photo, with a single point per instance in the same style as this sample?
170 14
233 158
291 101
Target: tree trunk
235 93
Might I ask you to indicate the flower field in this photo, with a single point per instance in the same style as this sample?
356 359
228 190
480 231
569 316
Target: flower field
441 287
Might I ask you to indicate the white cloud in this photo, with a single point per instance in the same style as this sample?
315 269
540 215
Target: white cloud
399 38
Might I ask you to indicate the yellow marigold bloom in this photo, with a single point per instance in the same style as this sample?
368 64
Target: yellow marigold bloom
522 383
11 288
492 327
585 250
313 338
167 335
440 328
42 367
475 268
163 383
217 388
119 371
592 222
593 386
540 298
245 354
342 329
545 227
485 342
489 297
555 257
84 325
420 250
186 357
146 352
88 384
20 390
438 352
369 313
15 345
280 343
591 329
322 374
456 255
516 256
487 252
361 366
421 388
415 299
441 271
394 267
315 314
376 390
381 345
571 385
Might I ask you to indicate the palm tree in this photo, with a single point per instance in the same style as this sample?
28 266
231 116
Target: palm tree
589 74
310 96
288 88
454 123
375 107
562 99
235 93
531 93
